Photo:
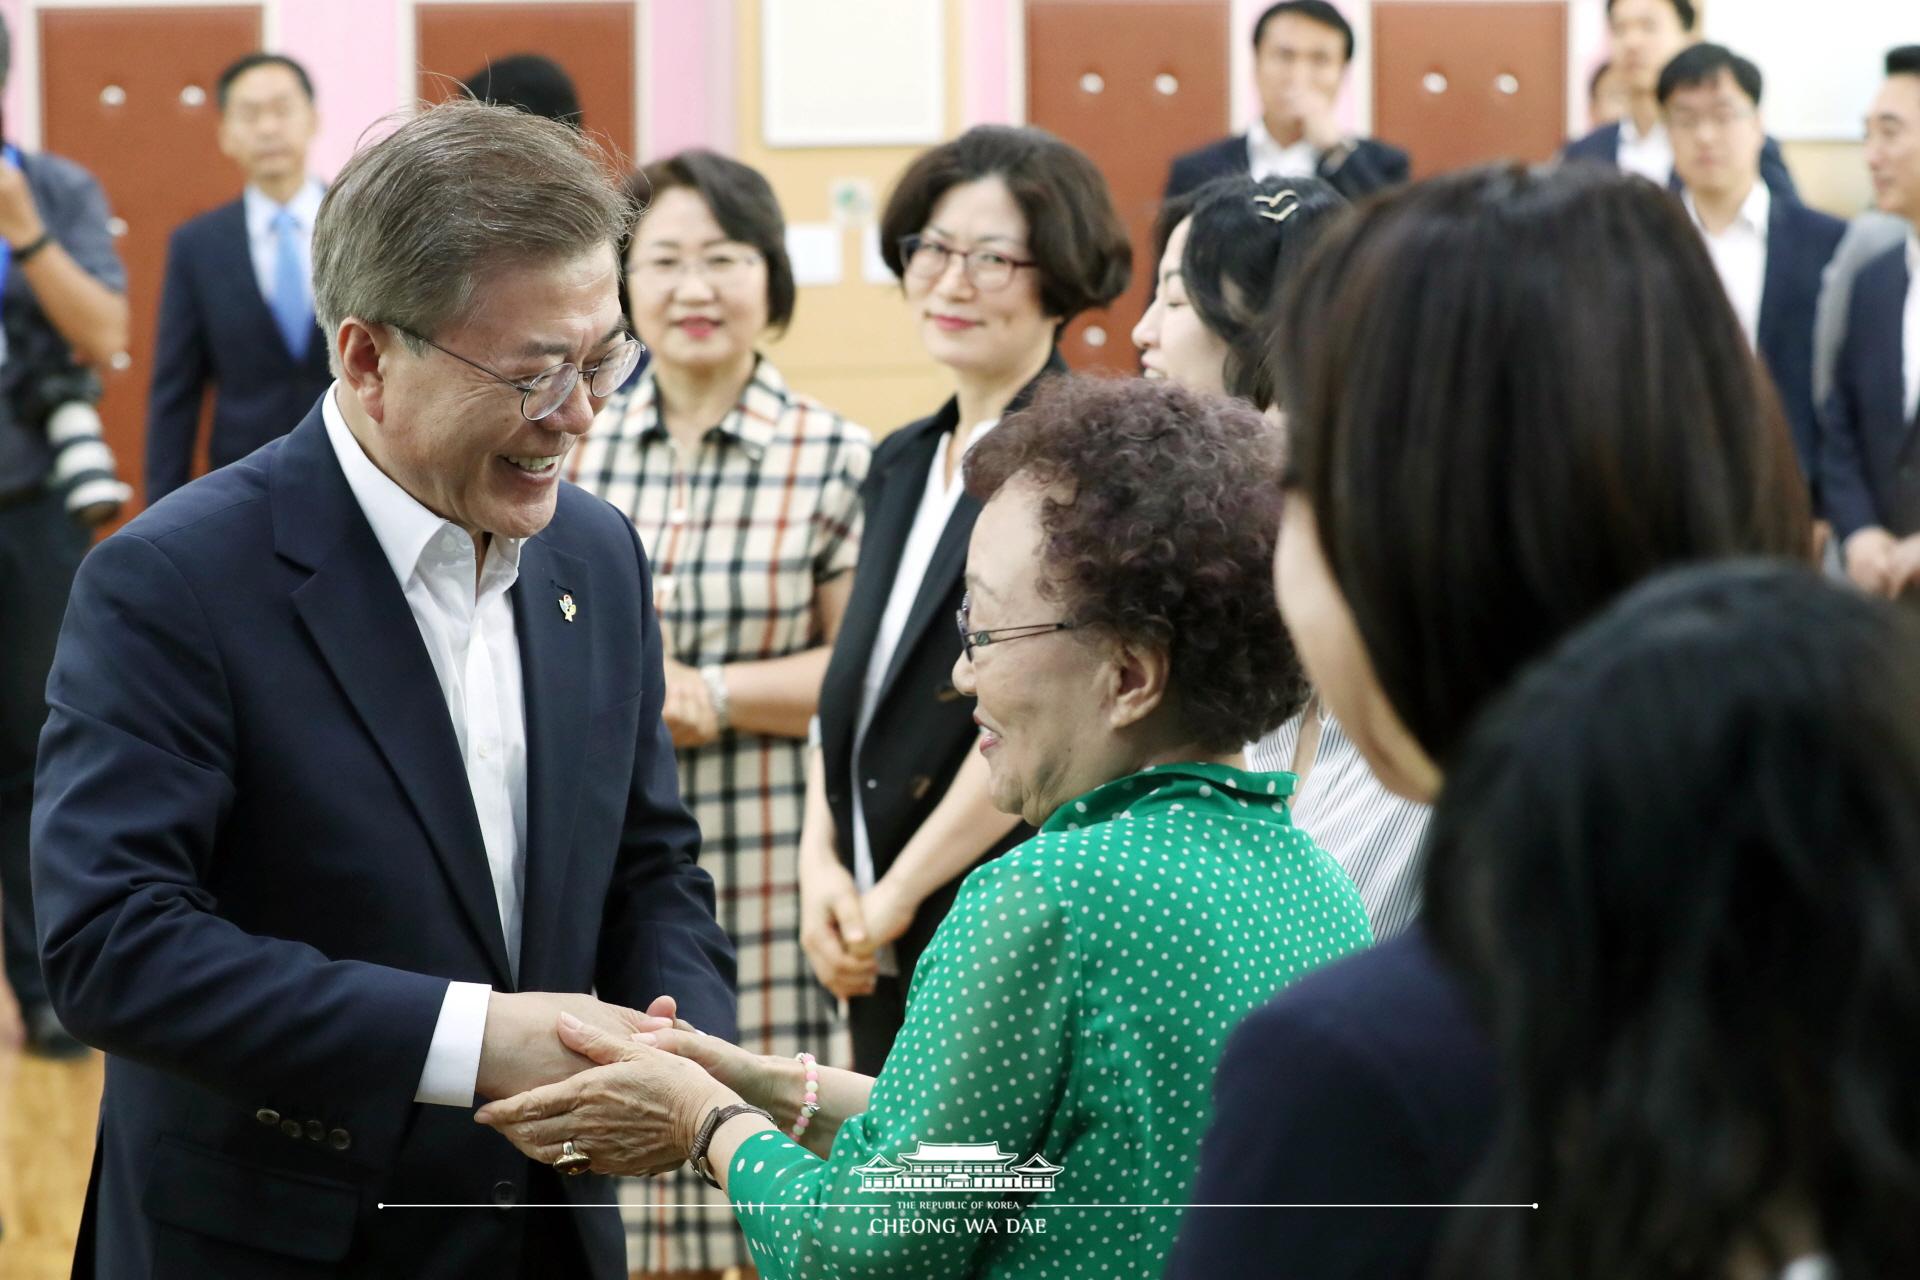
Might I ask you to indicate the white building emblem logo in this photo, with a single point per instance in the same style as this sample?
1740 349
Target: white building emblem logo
958 1168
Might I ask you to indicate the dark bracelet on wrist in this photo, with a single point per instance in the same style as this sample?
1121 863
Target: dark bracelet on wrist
27 251
716 1117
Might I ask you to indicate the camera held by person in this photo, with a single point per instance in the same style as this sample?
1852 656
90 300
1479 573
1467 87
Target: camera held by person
84 471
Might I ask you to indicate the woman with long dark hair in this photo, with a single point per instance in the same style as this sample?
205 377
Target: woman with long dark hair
1679 869
1511 395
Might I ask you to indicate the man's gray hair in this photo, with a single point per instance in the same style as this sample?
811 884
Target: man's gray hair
415 220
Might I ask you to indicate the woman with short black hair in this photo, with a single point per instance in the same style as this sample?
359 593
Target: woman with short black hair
1512 394
999 237
1679 868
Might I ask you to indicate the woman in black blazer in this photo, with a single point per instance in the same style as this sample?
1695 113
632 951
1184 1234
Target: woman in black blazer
999 238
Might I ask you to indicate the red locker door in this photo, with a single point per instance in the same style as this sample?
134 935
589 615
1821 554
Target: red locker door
593 42
144 125
1462 84
1132 83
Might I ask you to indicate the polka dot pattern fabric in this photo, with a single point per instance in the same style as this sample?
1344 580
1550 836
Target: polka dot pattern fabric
1073 1005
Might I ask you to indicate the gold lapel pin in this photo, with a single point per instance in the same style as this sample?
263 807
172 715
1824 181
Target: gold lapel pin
567 608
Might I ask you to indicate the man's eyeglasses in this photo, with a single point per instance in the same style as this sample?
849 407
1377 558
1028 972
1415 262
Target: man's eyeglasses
1719 117
971 639
986 269
547 390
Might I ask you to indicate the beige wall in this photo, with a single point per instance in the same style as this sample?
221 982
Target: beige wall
1832 176
852 344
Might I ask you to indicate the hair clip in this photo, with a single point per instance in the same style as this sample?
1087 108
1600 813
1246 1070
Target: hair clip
1281 205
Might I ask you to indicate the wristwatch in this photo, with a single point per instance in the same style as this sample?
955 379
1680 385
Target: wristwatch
710 1126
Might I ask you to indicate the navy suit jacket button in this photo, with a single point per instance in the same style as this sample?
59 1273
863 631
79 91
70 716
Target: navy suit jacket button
267 1116
291 1128
340 1139
316 1131
504 1194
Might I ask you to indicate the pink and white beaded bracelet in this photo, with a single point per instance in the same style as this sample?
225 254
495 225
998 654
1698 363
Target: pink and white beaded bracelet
810 1102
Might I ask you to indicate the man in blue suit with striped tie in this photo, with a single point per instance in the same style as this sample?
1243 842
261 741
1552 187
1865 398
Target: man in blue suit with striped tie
236 313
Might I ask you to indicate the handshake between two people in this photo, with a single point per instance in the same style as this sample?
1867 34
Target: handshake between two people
629 1090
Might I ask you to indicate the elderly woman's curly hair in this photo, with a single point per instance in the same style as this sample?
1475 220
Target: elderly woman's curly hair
1161 511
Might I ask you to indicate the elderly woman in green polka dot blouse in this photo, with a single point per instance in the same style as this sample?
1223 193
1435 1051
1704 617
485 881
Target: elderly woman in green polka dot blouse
1041 1112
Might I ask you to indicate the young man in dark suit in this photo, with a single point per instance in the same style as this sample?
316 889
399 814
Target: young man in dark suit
1301 51
1769 250
236 313
1647 35
1869 472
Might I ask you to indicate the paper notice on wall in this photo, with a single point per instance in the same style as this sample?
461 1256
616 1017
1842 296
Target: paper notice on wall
816 251
873 267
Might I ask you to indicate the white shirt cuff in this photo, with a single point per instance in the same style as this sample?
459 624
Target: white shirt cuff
453 1059
814 736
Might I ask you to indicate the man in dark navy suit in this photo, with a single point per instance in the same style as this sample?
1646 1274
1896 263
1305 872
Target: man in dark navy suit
1301 50
1770 250
1869 468
1647 35
236 313
354 777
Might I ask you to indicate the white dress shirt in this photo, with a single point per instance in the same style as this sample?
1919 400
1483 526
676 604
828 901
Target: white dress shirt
469 634
263 242
1648 154
1910 327
1266 158
1739 255
937 502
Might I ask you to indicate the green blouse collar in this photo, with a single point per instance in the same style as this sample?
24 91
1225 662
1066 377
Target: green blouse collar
1212 787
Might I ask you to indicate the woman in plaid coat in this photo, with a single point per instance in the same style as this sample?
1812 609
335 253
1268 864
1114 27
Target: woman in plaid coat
746 497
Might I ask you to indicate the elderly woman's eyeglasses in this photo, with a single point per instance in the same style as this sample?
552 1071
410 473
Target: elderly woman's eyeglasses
971 639
987 269
547 390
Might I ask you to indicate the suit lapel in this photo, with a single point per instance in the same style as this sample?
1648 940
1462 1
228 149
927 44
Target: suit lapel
552 591
1773 290
885 537
358 617
236 265
943 572
1894 383
950 554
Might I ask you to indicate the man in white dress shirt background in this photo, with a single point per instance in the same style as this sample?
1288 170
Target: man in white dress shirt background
1301 52
354 777
236 311
1770 251
1644 36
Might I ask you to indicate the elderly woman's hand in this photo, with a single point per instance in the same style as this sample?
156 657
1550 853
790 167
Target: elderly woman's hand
637 1116
770 1083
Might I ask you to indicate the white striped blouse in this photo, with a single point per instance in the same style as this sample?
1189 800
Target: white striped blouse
1371 832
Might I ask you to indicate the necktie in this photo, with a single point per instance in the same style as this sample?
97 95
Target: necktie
292 311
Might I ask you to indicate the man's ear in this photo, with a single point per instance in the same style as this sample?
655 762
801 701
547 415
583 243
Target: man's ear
360 353
1138 676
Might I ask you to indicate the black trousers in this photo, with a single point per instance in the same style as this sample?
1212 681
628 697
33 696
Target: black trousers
40 550
874 1021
